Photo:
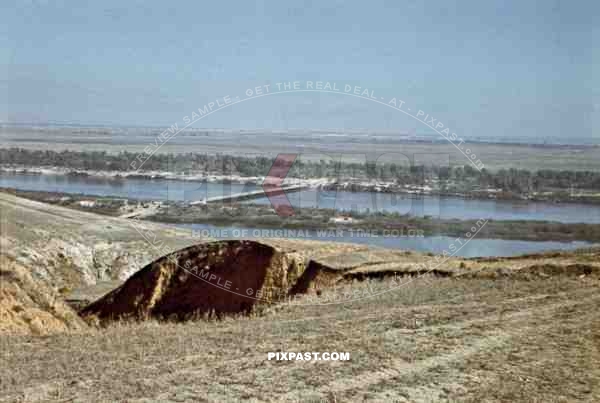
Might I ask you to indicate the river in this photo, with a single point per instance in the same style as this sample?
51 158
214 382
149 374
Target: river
464 247
443 207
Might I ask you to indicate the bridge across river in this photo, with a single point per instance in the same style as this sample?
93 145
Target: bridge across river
256 194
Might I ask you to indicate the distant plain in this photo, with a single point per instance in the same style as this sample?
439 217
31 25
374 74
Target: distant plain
310 145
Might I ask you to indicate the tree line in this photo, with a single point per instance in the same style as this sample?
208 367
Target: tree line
514 180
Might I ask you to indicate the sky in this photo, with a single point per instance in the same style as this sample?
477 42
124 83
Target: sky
499 69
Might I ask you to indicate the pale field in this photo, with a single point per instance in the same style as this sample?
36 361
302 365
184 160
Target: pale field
314 148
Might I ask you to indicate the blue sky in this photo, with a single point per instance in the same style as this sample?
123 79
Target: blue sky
486 68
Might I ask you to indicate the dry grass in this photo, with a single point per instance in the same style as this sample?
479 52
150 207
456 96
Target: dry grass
435 339
28 306
496 336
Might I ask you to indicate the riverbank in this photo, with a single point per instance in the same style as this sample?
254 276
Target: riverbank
118 175
387 177
263 216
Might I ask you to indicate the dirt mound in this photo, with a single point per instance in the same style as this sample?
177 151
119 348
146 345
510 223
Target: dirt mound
28 306
215 278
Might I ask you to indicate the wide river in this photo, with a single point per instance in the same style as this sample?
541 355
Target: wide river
445 207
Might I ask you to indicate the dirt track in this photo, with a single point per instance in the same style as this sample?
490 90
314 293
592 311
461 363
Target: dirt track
439 339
